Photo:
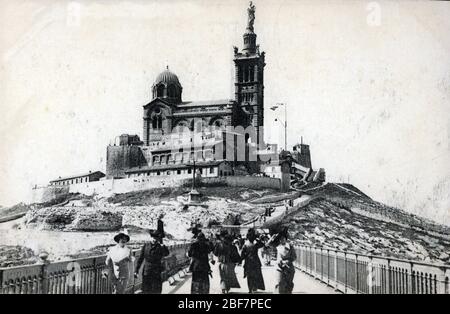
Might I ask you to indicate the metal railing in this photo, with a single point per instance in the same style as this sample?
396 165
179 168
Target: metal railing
358 273
79 276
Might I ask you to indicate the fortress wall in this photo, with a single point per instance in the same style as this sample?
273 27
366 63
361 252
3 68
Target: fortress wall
102 187
115 186
121 158
254 182
112 186
244 181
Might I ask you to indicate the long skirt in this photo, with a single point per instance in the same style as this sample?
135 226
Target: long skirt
255 279
119 285
285 280
228 277
152 283
200 282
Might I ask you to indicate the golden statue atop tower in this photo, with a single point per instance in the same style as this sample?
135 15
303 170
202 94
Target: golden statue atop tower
251 16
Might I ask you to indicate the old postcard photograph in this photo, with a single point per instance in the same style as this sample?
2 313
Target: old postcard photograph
224 148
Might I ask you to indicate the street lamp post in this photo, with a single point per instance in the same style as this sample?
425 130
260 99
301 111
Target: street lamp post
285 121
194 195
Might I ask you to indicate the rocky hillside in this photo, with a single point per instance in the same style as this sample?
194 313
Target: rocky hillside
141 210
14 255
342 217
16 210
333 215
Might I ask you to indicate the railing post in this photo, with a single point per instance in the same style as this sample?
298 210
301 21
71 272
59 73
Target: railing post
447 283
441 282
335 270
95 276
388 276
356 274
321 264
345 272
302 259
315 263
370 275
328 266
308 265
44 273
1 281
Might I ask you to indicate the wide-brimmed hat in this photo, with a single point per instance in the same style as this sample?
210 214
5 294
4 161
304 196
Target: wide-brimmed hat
122 235
223 233
195 229
251 234
283 233
154 233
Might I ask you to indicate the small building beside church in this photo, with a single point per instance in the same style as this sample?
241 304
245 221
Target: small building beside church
81 178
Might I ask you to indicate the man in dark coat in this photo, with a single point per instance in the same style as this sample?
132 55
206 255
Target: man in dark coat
151 255
199 254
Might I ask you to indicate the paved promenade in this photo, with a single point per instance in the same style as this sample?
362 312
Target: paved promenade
303 283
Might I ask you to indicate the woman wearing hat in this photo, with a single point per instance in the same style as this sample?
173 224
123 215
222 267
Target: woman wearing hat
285 258
228 257
199 254
119 262
151 255
252 264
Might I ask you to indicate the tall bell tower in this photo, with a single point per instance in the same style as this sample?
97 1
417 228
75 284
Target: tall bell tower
249 78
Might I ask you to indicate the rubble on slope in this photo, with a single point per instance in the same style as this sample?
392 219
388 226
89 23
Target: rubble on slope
322 223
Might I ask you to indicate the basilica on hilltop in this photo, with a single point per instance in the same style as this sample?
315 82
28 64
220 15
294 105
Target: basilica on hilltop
182 139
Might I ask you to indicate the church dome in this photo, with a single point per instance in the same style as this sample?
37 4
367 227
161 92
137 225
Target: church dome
167 87
167 77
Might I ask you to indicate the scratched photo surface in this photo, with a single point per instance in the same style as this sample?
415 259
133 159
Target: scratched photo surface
366 84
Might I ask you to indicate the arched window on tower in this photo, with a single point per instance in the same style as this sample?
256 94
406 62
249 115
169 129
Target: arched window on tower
157 122
160 91
171 91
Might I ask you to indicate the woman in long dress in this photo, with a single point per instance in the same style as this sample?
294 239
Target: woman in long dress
285 258
199 253
228 257
118 261
252 263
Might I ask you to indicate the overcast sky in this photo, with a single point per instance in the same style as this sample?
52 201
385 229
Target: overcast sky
369 92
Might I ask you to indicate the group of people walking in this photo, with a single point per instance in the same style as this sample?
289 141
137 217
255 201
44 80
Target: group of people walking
228 249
